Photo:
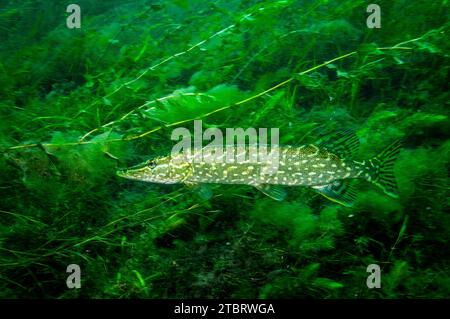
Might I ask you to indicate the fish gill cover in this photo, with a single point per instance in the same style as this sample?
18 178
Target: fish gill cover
79 104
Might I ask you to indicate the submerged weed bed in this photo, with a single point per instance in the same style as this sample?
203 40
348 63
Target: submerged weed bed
77 104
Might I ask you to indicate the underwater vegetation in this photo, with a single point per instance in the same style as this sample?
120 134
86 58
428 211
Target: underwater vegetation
77 105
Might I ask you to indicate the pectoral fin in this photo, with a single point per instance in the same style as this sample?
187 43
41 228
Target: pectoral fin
273 191
203 191
340 191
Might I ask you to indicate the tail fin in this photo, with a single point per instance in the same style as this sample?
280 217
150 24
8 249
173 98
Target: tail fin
383 169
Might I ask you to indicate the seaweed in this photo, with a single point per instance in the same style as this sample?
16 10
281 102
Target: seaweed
77 104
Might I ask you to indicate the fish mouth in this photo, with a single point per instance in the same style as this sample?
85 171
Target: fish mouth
136 167
128 172
121 172
125 173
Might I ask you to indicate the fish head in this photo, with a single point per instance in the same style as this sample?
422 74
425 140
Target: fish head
164 170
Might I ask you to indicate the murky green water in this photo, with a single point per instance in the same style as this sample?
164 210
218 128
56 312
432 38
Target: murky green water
102 87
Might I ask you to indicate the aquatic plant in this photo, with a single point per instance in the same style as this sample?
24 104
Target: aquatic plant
76 104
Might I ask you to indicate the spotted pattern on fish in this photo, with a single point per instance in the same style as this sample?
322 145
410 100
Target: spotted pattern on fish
304 165
307 165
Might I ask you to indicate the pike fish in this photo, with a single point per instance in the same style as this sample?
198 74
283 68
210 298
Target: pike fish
325 166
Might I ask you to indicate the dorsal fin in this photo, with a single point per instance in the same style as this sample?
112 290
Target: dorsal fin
343 143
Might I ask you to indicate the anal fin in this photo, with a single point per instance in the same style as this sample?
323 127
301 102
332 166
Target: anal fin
273 191
340 191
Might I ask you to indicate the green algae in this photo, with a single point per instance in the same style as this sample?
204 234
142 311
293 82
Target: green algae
75 105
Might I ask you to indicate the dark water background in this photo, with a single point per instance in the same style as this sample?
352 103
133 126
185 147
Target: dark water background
76 104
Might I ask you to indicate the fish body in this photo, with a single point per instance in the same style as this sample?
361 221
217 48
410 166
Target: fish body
314 165
305 165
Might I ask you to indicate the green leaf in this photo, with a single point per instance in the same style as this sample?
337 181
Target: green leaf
369 49
327 283
188 106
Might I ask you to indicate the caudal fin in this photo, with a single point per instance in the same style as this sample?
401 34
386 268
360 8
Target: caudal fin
383 169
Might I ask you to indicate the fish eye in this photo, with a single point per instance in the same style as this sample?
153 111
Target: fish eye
152 164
